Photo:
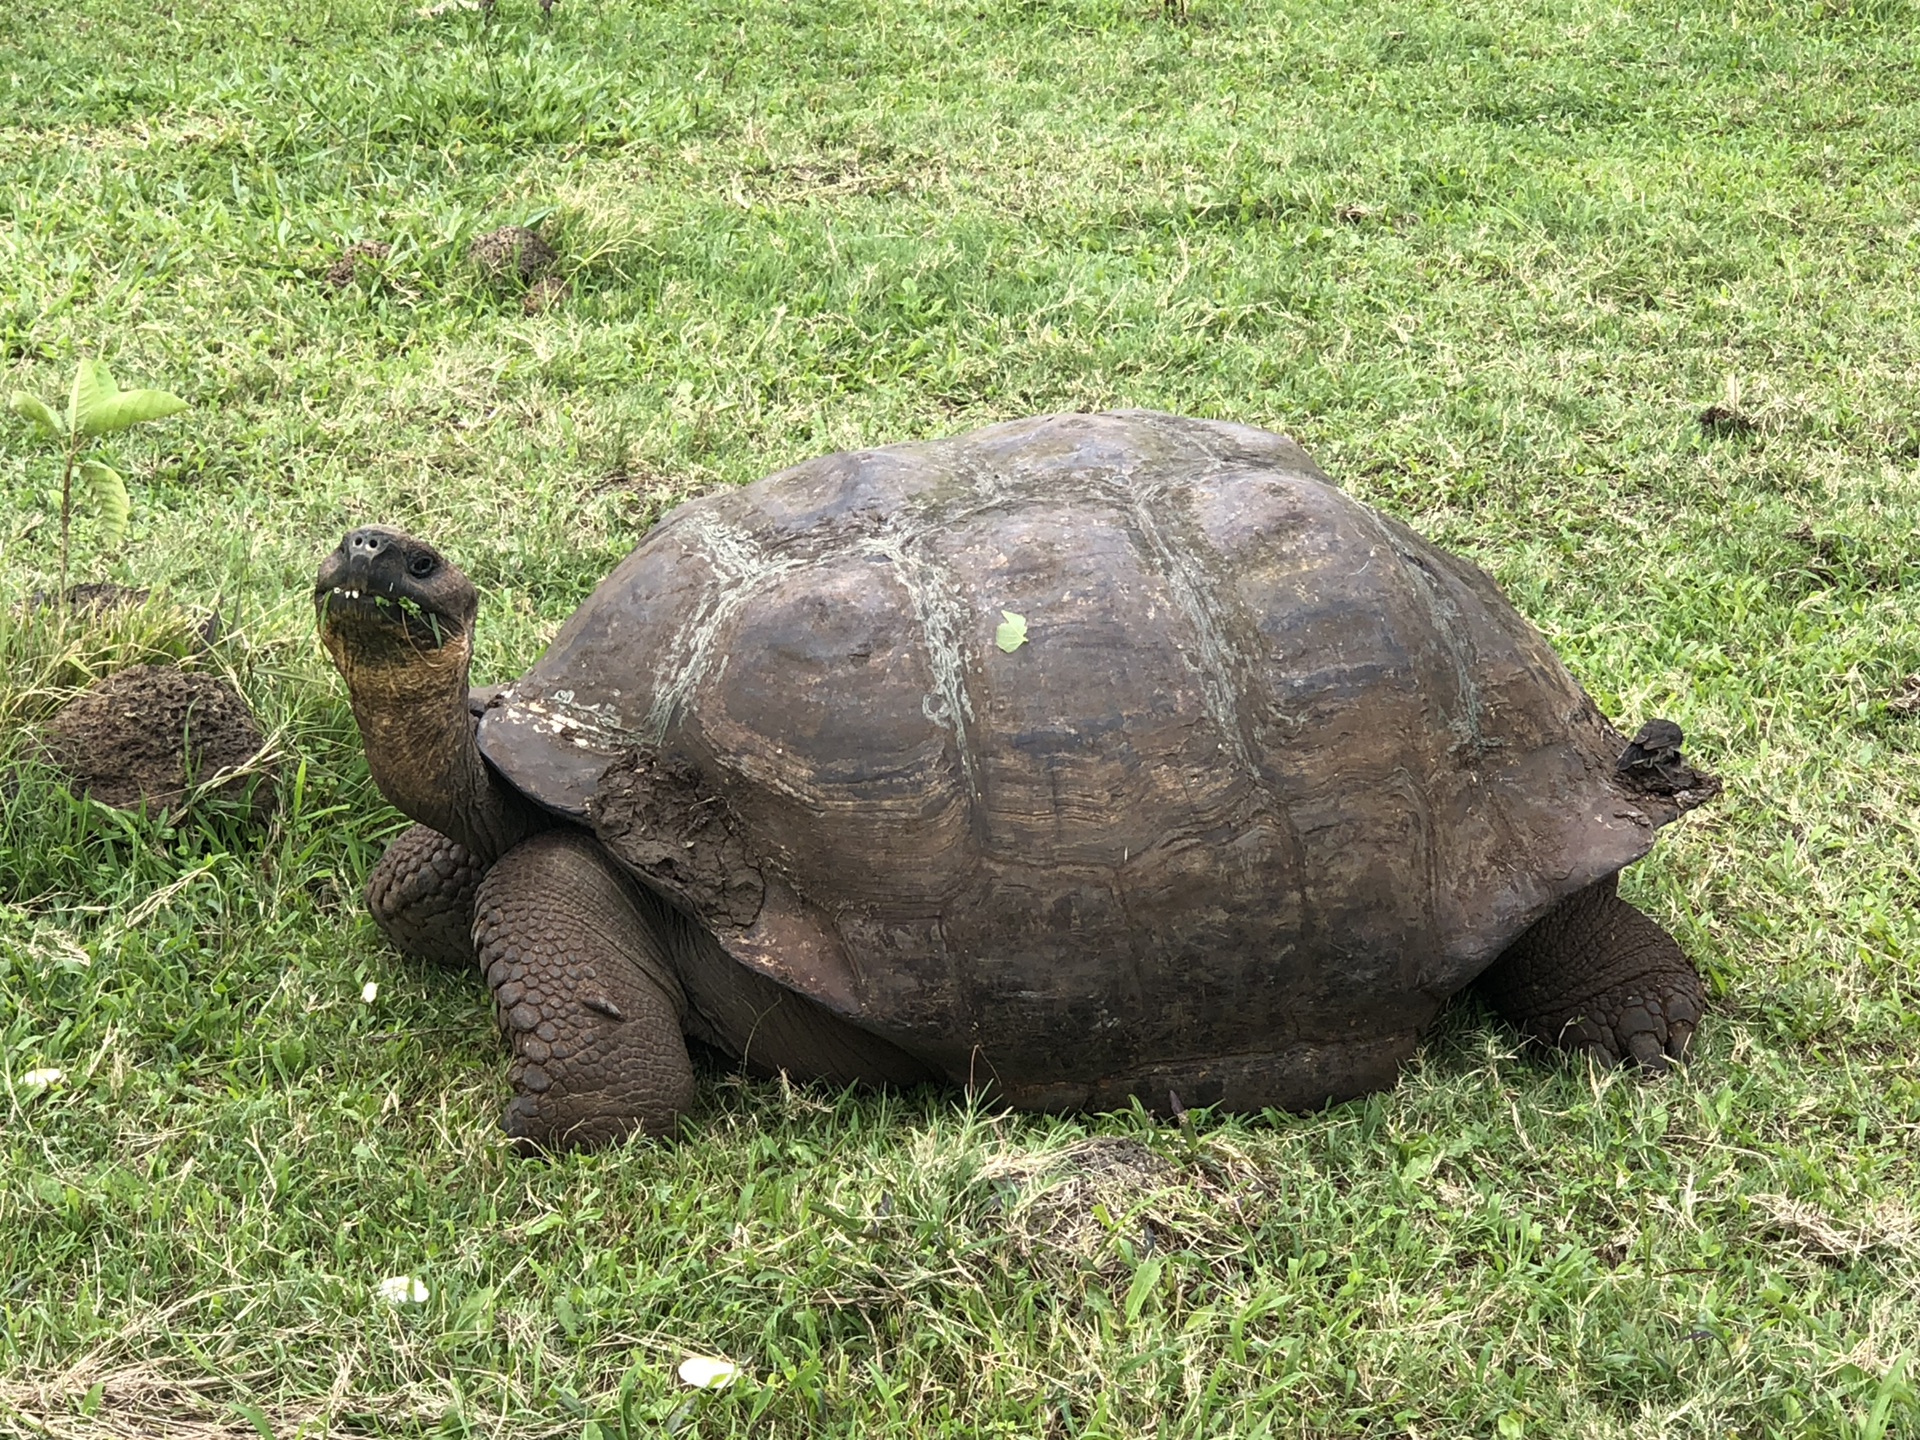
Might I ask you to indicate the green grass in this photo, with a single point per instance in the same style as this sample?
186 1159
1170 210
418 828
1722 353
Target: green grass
1489 261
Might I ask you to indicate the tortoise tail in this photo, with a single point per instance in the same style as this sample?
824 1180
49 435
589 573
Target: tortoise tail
1653 765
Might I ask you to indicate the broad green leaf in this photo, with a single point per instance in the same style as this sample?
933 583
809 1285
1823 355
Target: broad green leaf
33 408
109 495
93 388
99 407
257 1418
1011 633
1146 1280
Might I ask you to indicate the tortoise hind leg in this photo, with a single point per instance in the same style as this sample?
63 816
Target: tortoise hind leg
1596 974
421 896
584 985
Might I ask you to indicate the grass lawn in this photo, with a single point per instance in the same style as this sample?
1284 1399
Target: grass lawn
1491 261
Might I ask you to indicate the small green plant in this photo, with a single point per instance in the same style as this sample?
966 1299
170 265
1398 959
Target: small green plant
96 407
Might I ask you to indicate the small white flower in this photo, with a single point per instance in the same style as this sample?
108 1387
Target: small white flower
703 1372
404 1290
370 991
41 1079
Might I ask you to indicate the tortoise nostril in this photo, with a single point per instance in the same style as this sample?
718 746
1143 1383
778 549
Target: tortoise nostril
366 543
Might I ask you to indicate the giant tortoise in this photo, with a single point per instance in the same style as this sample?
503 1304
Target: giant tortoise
1266 780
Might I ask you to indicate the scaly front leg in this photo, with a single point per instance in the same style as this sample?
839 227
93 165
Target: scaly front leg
421 896
1594 973
585 988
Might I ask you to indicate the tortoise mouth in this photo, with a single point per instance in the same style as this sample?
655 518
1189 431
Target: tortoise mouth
382 594
346 609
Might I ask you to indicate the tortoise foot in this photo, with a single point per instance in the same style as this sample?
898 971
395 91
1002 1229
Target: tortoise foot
421 893
587 996
1597 975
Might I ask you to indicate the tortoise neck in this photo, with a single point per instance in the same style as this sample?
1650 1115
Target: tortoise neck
420 746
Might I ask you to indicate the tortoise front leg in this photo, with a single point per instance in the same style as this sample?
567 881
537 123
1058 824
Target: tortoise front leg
421 896
585 989
1594 973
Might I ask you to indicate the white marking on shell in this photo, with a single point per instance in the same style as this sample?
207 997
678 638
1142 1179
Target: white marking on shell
1221 666
741 569
944 619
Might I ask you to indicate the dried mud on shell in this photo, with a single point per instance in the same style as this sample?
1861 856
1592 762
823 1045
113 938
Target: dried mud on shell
658 820
153 733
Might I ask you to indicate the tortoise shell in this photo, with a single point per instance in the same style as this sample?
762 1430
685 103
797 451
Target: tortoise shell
1269 774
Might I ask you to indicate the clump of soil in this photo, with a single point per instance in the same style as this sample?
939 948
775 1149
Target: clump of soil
512 252
92 597
150 734
366 254
1076 1203
1725 420
545 293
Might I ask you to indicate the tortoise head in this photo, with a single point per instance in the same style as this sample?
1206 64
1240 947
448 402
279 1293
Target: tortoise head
393 610
397 619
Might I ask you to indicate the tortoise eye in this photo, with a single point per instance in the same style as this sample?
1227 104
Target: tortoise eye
422 565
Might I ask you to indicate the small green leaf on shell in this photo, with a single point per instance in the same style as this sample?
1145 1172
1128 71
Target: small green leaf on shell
99 407
1011 633
108 492
34 409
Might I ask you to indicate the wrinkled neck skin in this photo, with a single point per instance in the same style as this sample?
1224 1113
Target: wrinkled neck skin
412 712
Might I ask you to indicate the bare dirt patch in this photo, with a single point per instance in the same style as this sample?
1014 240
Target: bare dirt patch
1081 1205
357 260
513 252
544 294
1725 420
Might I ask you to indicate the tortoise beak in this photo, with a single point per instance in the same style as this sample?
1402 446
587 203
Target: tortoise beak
381 580
368 560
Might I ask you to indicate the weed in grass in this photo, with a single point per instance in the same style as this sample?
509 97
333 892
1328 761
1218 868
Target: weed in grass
96 407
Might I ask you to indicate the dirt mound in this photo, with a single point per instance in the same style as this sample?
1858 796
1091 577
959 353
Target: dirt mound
356 260
1074 1204
512 251
153 733
544 294
91 597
